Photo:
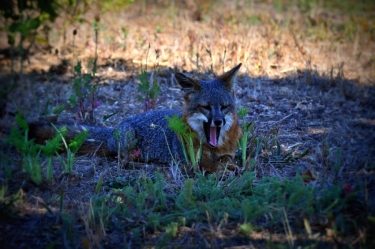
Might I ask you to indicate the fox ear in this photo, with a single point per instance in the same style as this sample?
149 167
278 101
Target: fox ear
229 77
187 83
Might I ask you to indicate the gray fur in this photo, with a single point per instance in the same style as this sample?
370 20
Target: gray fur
211 93
136 133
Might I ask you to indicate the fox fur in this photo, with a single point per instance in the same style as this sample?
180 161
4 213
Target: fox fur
209 111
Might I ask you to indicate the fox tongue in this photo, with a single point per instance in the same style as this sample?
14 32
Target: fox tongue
213 139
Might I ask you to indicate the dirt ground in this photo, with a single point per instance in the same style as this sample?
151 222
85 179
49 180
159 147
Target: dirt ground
311 88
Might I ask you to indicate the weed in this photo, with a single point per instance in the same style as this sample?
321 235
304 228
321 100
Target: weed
159 28
49 150
287 229
186 137
278 4
186 199
197 61
193 38
97 218
212 62
338 162
246 129
254 20
71 148
99 184
84 97
148 204
125 32
170 232
155 189
149 90
8 204
246 229
48 111
225 53
29 151
36 155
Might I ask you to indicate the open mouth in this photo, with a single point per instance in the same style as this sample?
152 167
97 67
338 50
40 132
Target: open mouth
212 134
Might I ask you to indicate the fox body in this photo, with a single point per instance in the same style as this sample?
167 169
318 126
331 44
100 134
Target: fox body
209 111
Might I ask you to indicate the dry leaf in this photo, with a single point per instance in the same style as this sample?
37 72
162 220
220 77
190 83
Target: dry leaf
308 176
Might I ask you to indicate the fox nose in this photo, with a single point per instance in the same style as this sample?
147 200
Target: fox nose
218 121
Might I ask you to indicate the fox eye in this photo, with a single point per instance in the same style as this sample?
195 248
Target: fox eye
223 107
206 107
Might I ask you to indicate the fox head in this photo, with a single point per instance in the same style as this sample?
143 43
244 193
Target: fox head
210 105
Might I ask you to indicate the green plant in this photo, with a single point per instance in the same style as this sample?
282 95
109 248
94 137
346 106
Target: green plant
186 136
99 184
149 90
151 203
55 111
49 150
246 129
71 148
159 28
246 229
31 164
34 155
338 162
129 150
186 198
29 151
84 97
111 5
125 32
97 218
8 203
170 232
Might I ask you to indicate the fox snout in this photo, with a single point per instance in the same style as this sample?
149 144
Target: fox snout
218 121
216 117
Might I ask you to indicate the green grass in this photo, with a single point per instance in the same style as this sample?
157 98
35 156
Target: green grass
270 203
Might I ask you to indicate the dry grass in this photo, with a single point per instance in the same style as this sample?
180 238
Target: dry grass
267 41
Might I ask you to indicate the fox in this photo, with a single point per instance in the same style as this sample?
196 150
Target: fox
209 112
